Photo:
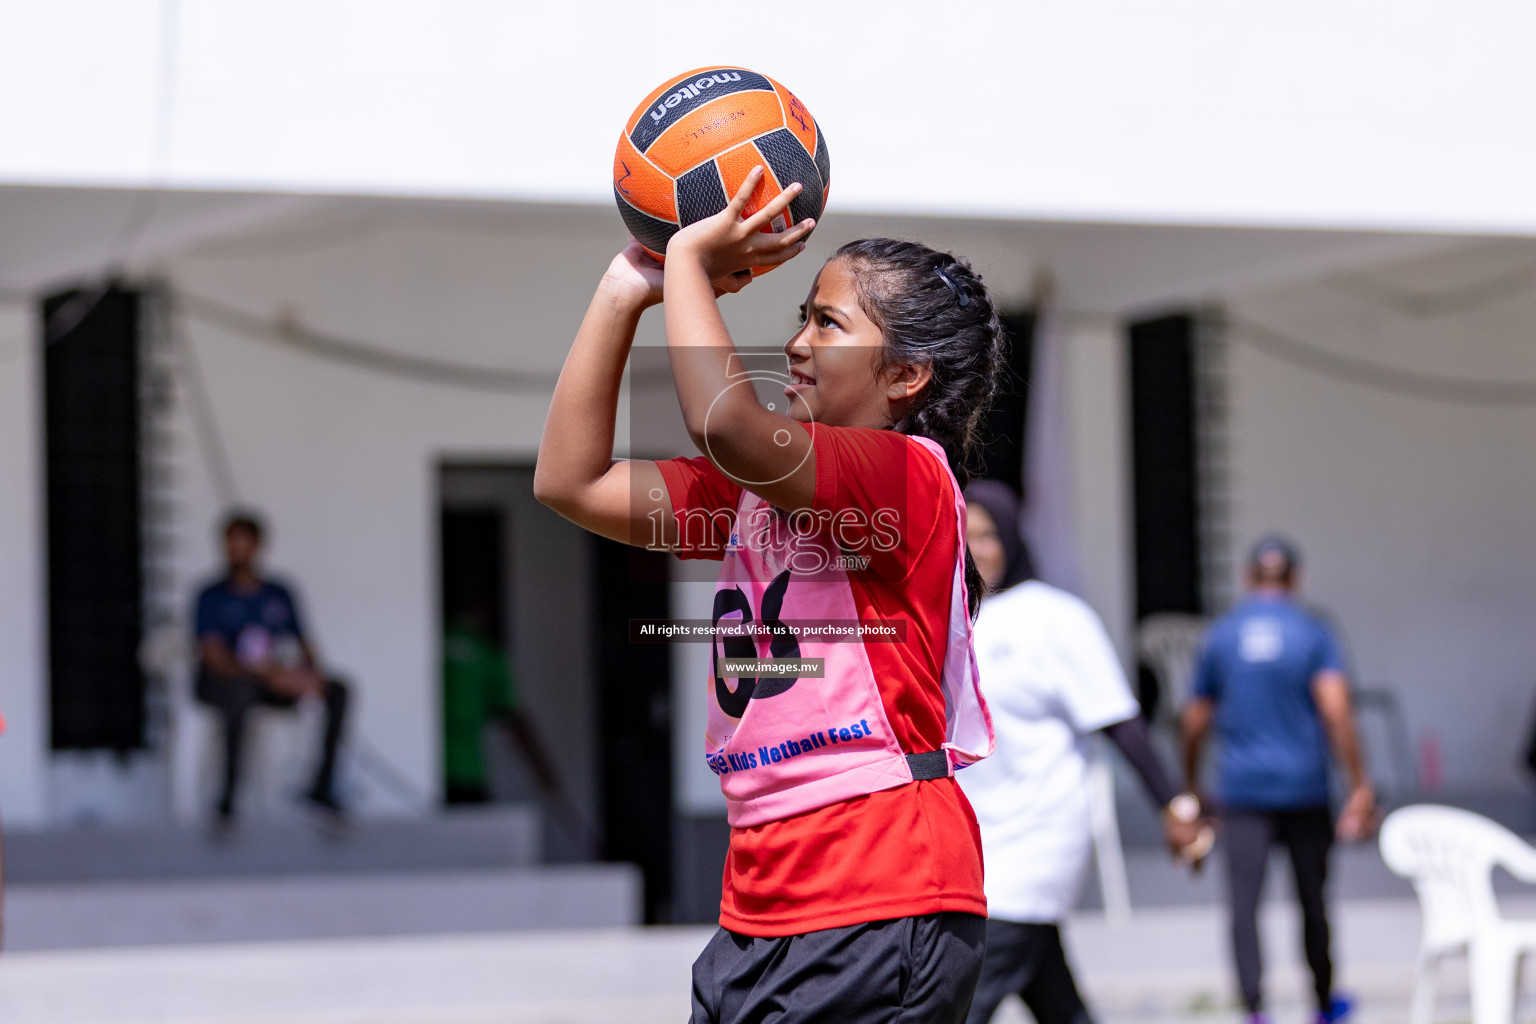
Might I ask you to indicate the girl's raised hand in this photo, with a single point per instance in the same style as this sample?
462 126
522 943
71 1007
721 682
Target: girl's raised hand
634 276
728 244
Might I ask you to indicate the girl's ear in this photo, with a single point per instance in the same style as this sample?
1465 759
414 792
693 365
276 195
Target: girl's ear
903 382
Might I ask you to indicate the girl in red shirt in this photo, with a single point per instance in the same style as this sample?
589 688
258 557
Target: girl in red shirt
853 886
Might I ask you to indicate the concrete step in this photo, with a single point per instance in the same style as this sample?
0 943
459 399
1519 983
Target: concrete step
41 916
499 837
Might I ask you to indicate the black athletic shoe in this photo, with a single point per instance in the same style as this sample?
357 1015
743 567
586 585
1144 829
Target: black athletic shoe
223 826
330 816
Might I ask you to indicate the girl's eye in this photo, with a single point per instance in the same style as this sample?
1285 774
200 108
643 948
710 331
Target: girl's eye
801 316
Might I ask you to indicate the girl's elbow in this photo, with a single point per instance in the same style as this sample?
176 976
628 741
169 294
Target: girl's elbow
549 490
699 429
703 442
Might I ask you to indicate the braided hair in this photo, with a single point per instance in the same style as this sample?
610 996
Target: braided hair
933 310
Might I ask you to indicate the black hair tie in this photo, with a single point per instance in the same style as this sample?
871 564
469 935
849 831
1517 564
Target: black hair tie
961 298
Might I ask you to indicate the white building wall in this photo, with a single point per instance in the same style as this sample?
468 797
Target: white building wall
1412 512
23 700
1414 515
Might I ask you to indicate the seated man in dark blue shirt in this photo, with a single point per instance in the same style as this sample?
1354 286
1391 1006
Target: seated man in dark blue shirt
1271 676
252 650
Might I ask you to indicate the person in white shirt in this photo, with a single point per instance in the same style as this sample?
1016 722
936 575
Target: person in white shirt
1051 678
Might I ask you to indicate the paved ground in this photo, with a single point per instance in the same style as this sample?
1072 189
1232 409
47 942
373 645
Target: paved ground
419 948
1168 964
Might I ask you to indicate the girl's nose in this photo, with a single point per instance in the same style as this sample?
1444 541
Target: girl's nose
797 344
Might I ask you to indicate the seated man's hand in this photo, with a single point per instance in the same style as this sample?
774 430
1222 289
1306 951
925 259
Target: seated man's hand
296 682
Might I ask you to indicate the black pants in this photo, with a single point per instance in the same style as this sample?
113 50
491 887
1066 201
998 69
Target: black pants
1027 959
234 697
908 970
1307 836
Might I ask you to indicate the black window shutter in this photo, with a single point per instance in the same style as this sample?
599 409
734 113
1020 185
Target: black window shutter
95 563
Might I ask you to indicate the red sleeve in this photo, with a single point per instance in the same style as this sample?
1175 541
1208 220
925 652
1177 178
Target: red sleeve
703 503
881 493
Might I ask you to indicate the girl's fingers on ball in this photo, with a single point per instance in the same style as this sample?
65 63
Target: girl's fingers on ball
773 257
744 194
777 205
799 231
793 237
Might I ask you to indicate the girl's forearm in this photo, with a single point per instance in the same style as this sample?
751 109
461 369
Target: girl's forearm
700 348
577 446
706 259
727 423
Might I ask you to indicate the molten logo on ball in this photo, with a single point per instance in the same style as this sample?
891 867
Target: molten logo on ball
691 90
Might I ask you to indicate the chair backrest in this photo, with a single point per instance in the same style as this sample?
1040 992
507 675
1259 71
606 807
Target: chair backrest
1168 643
1449 855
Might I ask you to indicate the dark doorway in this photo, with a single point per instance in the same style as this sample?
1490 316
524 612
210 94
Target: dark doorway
529 572
475 566
95 552
476 674
635 687
1164 463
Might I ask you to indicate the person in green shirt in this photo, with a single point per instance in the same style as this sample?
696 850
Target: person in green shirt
478 690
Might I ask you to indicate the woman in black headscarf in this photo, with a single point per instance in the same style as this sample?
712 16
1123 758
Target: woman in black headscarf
1051 678
995 535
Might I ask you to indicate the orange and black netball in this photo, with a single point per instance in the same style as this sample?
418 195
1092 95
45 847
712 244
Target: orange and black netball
692 142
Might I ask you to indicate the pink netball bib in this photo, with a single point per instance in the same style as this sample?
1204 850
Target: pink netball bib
783 745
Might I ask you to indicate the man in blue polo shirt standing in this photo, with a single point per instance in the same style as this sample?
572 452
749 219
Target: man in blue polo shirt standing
1271 680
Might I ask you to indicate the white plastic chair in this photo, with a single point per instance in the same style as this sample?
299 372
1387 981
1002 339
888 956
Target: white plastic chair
1449 855
1114 884
280 743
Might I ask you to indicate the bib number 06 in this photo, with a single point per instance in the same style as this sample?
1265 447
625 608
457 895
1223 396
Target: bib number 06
781 645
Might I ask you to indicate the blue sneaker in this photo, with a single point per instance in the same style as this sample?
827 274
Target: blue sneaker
1340 1009
1257 1017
